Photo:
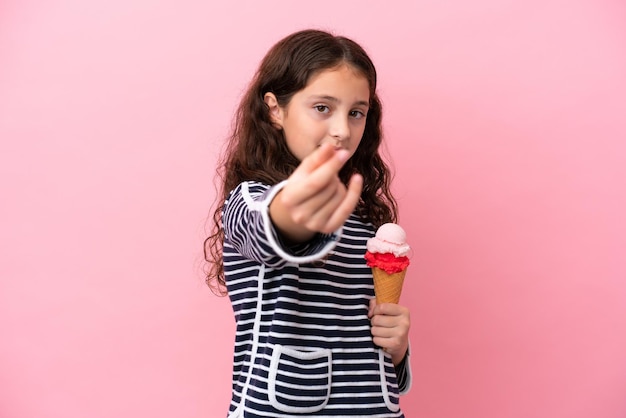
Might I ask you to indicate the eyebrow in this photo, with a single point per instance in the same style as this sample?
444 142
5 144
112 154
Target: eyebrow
336 100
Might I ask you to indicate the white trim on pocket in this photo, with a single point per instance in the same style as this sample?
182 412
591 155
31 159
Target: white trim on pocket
383 383
325 361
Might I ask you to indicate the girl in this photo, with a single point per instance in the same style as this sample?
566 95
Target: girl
304 188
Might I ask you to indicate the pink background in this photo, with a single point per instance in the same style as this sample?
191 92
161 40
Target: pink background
506 124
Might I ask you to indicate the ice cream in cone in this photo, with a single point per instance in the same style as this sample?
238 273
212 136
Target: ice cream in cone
387 255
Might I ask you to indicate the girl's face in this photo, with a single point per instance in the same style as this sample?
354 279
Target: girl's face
331 108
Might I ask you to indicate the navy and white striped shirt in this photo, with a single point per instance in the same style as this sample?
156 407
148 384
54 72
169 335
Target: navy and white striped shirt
303 344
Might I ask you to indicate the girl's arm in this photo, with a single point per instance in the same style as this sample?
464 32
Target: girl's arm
249 231
314 200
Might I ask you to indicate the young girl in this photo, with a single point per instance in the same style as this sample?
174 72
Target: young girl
304 188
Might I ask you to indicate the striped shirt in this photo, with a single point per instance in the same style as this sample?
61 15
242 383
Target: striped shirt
303 342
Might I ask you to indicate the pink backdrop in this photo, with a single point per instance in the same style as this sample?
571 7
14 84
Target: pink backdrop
505 121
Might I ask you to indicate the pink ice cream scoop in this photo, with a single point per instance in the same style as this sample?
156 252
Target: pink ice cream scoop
390 238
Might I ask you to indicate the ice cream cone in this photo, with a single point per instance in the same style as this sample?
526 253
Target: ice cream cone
387 286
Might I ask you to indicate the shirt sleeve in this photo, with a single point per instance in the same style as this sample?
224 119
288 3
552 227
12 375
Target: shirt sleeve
249 229
404 374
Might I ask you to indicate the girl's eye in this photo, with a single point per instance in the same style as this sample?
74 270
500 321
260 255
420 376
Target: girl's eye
357 114
322 108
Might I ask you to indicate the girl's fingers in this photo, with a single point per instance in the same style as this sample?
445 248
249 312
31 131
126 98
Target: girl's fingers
315 160
387 322
347 205
390 309
315 173
355 187
314 197
389 316
315 209
372 305
327 210
385 333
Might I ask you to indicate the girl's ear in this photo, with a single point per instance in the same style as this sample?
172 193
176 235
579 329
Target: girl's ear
276 112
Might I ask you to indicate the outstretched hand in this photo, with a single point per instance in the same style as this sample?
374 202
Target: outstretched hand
390 328
314 198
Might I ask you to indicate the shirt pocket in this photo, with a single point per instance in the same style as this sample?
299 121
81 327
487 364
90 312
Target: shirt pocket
299 381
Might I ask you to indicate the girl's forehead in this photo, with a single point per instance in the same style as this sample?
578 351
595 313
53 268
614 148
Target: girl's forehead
342 67
342 79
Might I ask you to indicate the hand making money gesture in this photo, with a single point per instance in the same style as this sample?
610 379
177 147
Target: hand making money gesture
314 198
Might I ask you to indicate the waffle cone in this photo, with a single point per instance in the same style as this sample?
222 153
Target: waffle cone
387 286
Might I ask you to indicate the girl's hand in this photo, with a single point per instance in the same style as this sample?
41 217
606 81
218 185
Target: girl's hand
390 328
314 198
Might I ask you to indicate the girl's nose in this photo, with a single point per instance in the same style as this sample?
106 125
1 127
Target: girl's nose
339 128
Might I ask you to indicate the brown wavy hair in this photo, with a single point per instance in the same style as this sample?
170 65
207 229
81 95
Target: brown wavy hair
257 151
